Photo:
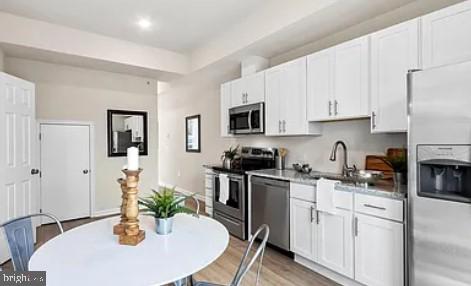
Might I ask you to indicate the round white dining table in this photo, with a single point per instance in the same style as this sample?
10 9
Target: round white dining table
91 255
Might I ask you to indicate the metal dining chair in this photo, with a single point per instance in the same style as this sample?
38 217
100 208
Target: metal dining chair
246 262
19 233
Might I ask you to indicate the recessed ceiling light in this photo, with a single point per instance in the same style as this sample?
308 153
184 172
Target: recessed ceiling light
144 23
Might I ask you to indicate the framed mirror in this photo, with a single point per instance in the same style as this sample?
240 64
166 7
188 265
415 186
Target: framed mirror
193 133
126 129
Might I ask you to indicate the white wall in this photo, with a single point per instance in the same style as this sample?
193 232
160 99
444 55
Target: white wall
70 93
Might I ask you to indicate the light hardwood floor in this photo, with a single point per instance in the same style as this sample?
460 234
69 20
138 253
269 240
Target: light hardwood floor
278 269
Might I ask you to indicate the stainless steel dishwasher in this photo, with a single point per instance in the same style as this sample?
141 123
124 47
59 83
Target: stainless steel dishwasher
270 205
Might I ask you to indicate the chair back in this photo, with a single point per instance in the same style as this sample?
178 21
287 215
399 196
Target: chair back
246 263
19 233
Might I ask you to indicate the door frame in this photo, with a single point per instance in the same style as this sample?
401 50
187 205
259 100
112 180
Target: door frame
91 126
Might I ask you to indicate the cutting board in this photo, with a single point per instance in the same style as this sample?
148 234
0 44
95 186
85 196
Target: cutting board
376 163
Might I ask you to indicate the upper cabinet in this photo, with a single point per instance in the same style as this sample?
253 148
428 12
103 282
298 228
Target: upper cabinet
225 105
135 124
285 99
337 82
351 71
394 51
248 90
446 35
320 76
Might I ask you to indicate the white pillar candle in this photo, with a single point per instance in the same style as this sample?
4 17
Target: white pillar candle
133 159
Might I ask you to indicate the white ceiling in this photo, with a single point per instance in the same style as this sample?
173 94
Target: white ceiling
178 25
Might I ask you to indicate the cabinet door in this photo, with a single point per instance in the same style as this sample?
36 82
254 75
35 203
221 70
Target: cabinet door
237 92
302 228
335 241
319 85
293 97
394 51
351 71
225 105
445 35
272 101
255 88
379 251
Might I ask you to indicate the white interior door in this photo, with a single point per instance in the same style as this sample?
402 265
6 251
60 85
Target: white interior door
65 170
18 156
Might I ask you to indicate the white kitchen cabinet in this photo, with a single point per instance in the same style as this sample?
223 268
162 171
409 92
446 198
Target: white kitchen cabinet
446 35
351 72
248 90
338 80
394 51
208 185
379 251
135 124
303 228
225 105
285 100
320 68
335 241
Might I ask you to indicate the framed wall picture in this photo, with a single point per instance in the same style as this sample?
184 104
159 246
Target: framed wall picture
193 133
126 129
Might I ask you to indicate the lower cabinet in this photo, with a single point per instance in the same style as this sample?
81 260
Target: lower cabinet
379 251
364 248
335 241
303 228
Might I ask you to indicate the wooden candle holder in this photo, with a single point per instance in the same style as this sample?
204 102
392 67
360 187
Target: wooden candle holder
119 228
130 233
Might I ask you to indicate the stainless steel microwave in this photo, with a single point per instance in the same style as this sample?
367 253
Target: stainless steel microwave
247 119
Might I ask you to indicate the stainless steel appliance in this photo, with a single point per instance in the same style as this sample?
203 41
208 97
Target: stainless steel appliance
232 210
247 119
440 175
270 205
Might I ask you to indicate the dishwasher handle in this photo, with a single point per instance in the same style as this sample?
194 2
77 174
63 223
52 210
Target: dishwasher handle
269 182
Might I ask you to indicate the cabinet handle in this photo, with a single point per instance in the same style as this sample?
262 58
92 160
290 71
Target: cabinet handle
246 97
330 108
312 216
373 120
374 207
355 226
279 126
284 126
317 217
336 107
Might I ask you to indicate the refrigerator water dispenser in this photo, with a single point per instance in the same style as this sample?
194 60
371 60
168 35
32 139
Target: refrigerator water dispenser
444 172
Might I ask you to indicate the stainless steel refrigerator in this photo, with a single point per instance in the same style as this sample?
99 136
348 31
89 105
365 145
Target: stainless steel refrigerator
440 176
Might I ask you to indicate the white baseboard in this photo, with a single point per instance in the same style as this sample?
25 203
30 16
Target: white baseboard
183 191
339 278
106 212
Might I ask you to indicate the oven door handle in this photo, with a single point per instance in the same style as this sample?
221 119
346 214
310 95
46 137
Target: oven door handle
250 120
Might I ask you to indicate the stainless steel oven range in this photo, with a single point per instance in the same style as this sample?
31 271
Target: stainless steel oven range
230 188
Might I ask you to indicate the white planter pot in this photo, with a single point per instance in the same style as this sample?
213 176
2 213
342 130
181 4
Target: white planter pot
164 225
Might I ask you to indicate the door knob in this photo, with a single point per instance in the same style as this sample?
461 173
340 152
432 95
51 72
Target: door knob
85 172
34 171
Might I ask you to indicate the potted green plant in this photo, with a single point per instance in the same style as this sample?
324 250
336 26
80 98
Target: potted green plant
228 156
398 162
163 206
